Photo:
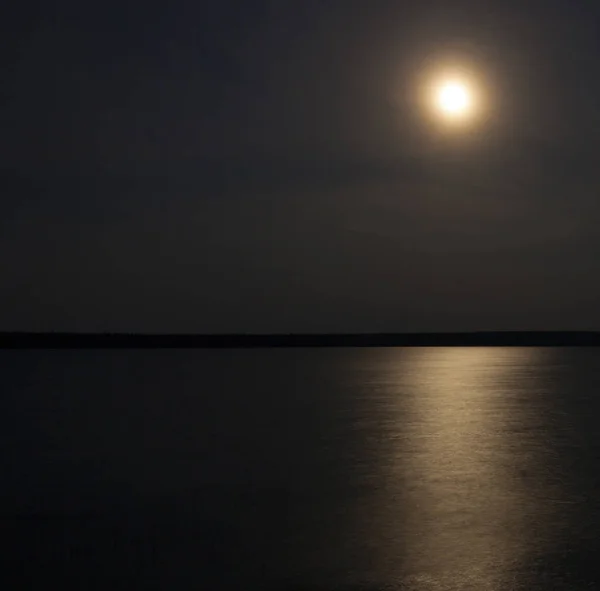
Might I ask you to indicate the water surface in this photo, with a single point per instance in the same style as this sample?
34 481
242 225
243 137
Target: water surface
302 469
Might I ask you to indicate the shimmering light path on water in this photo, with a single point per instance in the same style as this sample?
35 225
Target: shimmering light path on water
425 469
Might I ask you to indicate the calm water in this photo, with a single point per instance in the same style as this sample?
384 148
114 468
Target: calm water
340 469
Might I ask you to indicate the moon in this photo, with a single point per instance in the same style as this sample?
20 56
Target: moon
453 96
453 99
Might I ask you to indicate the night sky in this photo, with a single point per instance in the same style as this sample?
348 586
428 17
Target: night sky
265 166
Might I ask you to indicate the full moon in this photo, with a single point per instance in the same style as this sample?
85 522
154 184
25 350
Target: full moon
453 96
454 99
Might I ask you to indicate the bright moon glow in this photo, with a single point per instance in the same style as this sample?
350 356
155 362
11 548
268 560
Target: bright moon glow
452 96
454 99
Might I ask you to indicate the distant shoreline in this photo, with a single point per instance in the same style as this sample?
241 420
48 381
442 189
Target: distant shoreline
63 340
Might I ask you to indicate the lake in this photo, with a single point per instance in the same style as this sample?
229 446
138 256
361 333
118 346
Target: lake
414 469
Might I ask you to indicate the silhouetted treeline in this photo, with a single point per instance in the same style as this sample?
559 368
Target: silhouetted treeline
57 340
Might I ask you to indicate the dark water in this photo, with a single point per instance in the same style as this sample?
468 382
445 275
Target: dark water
409 469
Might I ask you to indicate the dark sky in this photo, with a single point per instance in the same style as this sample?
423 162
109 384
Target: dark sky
263 166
